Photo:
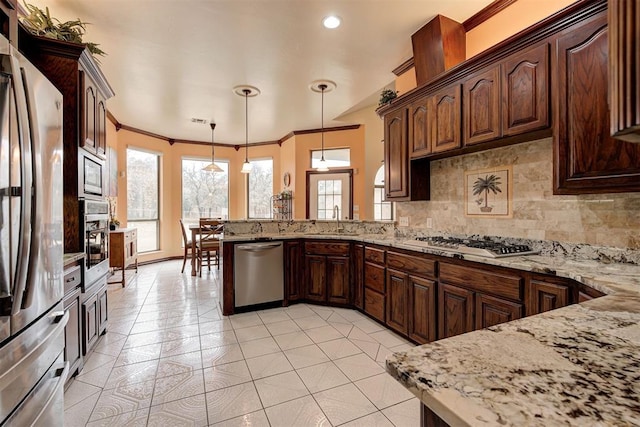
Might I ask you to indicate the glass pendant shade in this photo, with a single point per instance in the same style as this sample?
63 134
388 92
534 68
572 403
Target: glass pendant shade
246 167
323 166
212 167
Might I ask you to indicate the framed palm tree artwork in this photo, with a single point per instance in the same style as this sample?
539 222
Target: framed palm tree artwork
488 192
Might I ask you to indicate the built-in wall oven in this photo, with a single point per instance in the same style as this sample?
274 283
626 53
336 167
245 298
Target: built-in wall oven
95 232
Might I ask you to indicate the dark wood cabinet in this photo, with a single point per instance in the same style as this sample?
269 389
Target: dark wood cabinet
73 328
103 311
328 272
90 323
422 310
525 91
492 311
74 72
455 310
293 270
624 69
396 159
419 145
586 158
338 279
375 288
358 276
397 301
9 21
481 103
316 269
444 119
546 294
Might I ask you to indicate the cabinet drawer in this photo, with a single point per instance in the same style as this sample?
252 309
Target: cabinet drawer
327 248
374 304
412 264
72 278
499 283
374 277
374 255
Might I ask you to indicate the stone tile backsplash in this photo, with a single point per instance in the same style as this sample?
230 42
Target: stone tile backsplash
607 220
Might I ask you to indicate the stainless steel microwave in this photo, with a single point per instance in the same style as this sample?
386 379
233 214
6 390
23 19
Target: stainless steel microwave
91 175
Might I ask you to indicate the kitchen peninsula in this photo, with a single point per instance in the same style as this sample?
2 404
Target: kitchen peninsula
577 364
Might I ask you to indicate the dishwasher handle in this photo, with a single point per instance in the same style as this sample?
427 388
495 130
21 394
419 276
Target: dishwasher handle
258 247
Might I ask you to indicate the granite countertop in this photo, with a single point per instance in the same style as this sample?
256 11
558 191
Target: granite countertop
578 365
72 257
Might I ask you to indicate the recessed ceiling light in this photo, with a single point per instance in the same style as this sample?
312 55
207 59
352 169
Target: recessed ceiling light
331 22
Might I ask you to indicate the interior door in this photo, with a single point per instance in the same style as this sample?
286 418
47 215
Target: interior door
326 190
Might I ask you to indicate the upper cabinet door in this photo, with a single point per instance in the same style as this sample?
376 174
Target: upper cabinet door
587 159
444 119
525 91
88 138
396 161
481 101
101 128
419 130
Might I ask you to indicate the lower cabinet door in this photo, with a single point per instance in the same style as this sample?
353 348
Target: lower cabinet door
397 300
422 310
358 276
103 311
546 296
73 332
90 323
338 279
316 270
492 311
374 304
455 311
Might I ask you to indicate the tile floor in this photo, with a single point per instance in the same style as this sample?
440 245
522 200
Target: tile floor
170 358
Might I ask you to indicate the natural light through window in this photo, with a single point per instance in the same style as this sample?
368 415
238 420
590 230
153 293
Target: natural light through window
382 211
329 196
260 188
143 197
335 157
204 194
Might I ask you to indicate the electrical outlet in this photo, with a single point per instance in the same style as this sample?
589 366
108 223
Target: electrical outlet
429 222
403 221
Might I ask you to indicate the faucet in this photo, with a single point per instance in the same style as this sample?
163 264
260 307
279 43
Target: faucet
336 215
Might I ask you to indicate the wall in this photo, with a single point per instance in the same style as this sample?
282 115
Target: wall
606 220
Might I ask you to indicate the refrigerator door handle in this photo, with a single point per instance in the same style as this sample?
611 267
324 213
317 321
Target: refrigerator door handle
24 244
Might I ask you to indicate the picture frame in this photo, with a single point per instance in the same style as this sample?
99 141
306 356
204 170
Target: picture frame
488 193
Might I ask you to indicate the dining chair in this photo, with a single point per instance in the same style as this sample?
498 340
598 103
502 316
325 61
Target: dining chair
187 244
208 243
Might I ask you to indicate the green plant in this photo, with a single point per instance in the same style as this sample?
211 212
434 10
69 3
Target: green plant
40 22
386 96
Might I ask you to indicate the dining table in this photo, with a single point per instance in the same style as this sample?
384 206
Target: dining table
195 232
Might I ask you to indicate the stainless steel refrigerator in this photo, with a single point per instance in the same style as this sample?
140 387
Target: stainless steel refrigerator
32 318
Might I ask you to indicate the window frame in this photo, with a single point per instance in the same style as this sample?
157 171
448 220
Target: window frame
158 201
328 150
204 160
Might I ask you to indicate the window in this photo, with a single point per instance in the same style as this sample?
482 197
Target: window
143 197
204 194
329 196
335 157
260 188
382 211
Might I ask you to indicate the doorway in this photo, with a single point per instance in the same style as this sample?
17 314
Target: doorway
325 190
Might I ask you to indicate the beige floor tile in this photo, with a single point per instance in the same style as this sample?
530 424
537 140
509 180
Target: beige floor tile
129 419
221 355
245 320
301 357
259 347
337 349
298 311
138 354
131 374
79 391
280 388
217 339
232 402
273 316
230 374
310 322
180 346
123 399
178 387
252 333
179 364
269 364
254 419
377 419
322 377
344 403
405 414
293 340
191 411
296 413
383 391
323 333
78 415
283 327
388 338
358 367
215 326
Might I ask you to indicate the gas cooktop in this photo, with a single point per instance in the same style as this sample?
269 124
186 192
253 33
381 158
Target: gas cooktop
485 248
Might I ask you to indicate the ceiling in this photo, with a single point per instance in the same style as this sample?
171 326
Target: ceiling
169 61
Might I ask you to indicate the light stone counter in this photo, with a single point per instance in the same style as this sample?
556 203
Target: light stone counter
578 365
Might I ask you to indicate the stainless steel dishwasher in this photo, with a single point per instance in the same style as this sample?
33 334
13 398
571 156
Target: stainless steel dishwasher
258 273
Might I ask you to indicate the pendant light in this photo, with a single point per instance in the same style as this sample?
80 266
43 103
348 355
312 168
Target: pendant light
212 167
246 91
322 86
